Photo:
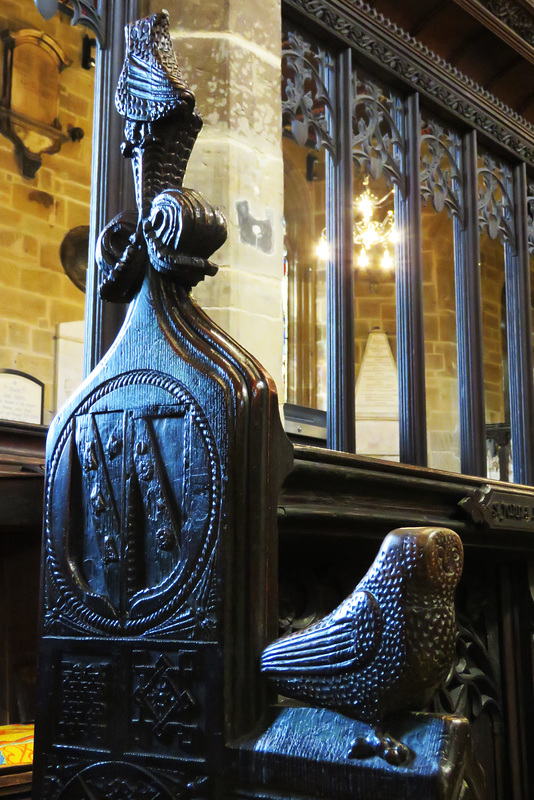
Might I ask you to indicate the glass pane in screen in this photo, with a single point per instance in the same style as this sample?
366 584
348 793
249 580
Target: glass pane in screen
377 173
440 195
495 355
306 144
377 394
305 269
495 214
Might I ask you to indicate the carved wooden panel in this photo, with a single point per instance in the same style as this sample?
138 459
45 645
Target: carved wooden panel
146 483
378 130
161 471
495 198
441 175
308 107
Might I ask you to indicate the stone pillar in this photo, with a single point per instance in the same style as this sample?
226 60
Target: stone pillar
229 54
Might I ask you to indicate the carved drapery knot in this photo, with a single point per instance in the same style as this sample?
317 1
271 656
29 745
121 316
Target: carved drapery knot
175 227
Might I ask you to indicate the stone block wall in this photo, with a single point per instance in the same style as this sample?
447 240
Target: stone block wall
35 293
441 359
493 327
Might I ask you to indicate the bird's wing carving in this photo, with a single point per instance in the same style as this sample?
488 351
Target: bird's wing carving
349 637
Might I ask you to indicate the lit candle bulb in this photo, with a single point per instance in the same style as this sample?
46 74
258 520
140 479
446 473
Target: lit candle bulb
386 262
322 251
363 259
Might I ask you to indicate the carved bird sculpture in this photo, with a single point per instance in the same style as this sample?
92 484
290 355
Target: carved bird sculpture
387 647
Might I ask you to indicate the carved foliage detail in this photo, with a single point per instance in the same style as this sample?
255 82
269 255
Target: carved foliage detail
377 123
514 16
441 179
307 105
365 30
495 205
471 688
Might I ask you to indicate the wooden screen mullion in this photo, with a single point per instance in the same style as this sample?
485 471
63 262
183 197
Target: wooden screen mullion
410 323
341 422
519 334
469 319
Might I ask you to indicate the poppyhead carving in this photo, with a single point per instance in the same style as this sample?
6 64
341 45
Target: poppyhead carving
174 229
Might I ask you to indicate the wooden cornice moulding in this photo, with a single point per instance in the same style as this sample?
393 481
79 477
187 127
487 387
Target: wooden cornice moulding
510 21
22 445
344 494
385 45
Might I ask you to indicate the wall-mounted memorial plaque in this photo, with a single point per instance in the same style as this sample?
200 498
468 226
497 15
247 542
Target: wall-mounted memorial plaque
377 400
21 397
69 359
29 105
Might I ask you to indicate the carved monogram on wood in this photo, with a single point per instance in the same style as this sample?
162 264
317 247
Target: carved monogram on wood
133 512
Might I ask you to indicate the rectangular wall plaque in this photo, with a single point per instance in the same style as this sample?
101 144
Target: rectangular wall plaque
21 397
377 400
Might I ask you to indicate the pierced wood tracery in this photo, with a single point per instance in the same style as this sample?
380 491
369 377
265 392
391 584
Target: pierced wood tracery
81 12
377 131
495 204
441 178
363 27
307 106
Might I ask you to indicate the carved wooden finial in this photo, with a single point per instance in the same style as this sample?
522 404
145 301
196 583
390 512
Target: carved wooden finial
151 85
176 230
